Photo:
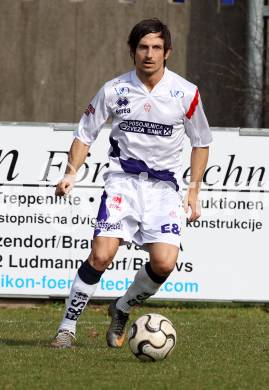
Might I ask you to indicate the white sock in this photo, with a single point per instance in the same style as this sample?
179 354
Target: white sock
142 288
79 296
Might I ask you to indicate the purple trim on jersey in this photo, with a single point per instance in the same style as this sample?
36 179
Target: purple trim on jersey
102 213
137 166
115 147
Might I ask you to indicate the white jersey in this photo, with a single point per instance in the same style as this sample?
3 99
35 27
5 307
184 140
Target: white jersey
148 128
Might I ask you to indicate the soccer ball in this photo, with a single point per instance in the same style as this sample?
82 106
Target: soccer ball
152 337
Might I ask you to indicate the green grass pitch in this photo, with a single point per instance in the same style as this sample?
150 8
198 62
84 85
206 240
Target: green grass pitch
219 346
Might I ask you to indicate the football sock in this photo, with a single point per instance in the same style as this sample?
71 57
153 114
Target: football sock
83 287
146 283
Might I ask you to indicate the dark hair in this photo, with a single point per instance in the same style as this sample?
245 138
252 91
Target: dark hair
145 27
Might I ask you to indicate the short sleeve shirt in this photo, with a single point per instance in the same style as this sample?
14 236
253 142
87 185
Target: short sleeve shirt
148 127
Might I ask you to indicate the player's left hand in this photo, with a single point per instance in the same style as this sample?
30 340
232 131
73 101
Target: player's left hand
192 205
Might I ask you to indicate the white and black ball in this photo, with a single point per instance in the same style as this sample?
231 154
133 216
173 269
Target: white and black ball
152 337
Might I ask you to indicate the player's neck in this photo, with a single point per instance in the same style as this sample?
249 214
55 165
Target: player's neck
150 80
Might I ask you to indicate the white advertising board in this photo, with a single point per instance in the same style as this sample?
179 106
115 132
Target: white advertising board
44 239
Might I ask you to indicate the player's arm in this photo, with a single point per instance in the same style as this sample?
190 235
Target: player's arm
88 129
76 157
199 158
197 129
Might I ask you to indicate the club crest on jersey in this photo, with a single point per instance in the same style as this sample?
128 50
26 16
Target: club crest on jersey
122 91
147 107
176 94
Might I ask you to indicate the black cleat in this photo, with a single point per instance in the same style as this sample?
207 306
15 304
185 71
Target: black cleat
116 333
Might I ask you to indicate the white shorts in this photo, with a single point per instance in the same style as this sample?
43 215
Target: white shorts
140 210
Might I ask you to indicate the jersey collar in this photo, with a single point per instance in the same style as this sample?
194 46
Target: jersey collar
138 82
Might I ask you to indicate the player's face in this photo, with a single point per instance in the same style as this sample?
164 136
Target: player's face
149 56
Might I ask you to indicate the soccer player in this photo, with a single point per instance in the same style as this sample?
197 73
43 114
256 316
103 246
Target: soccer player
152 109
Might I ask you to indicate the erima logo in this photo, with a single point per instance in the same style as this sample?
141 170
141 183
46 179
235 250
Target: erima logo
176 94
122 102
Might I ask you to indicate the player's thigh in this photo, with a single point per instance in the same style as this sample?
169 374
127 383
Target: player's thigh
163 257
103 251
162 216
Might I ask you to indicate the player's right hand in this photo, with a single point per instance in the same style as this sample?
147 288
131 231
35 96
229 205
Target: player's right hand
65 185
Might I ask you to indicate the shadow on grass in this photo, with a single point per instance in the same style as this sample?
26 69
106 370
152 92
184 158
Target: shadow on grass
21 343
45 343
186 304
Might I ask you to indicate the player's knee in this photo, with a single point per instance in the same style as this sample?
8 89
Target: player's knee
100 260
164 269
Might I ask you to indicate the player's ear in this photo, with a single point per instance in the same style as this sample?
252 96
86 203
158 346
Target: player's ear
167 54
132 55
